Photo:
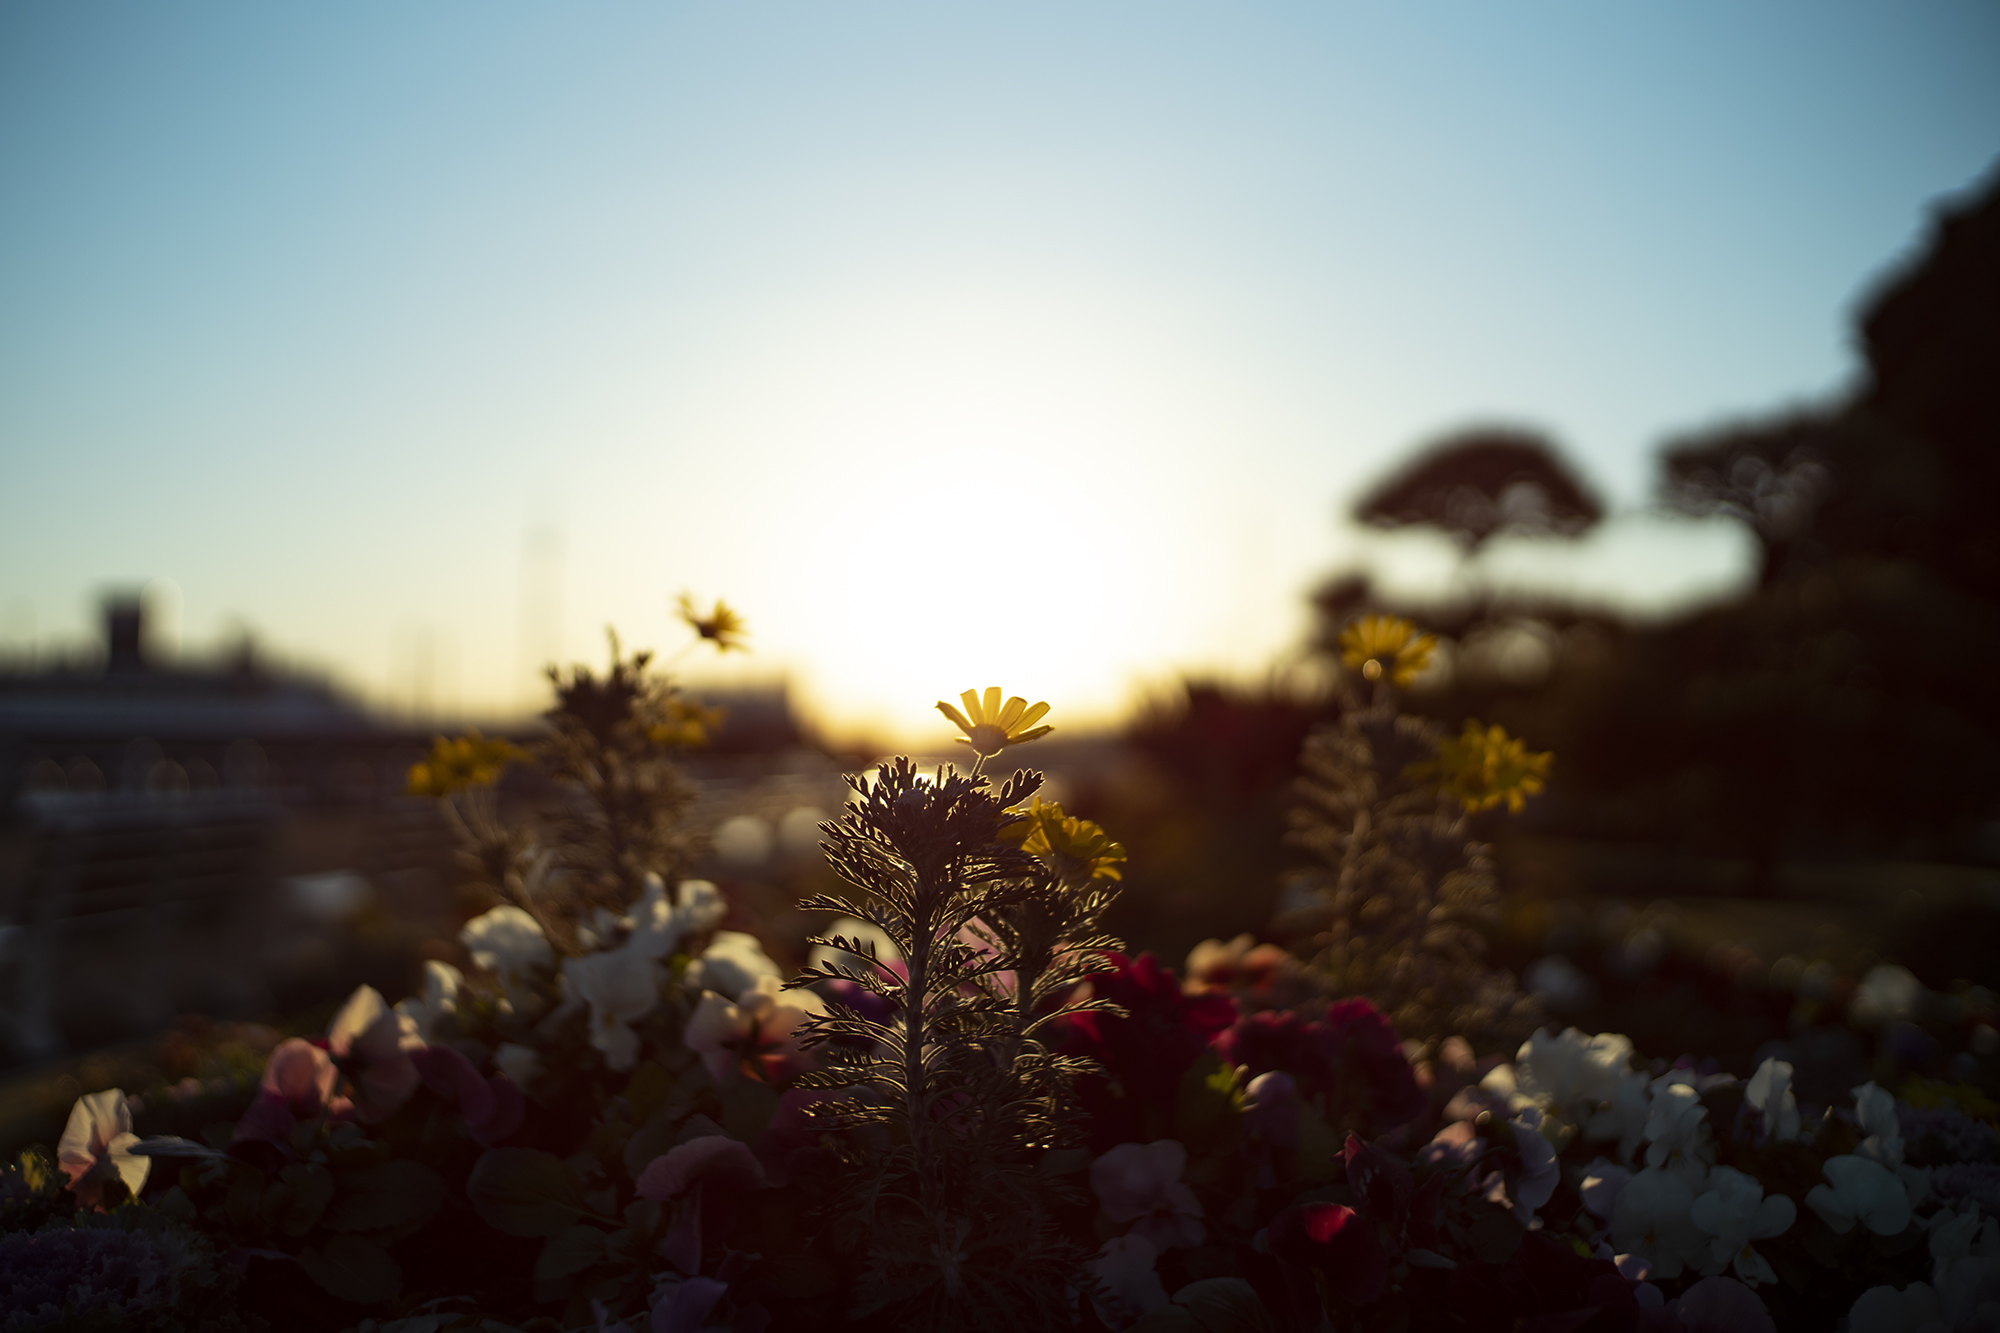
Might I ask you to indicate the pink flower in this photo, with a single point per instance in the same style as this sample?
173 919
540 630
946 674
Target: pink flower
95 1147
1142 1185
298 1084
681 1175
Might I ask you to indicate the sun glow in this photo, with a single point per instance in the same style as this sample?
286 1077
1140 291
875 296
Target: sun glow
975 485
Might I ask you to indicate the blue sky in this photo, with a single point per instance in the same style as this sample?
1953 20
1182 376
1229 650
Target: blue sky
955 344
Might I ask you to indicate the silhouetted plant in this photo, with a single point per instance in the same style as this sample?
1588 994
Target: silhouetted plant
949 1093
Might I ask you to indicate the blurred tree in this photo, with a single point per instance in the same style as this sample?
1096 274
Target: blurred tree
1842 705
1477 484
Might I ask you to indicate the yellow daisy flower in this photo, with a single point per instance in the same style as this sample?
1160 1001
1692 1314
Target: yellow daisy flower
721 627
1374 645
989 727
469 761
1072 847
1485 766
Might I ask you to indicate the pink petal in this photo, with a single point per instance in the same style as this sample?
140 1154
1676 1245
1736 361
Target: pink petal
450 1075
714 1157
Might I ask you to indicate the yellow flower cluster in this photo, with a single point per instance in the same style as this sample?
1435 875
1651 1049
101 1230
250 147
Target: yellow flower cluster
1375 645
1485 766
469 761
685 726
1075 849
989 726
721 627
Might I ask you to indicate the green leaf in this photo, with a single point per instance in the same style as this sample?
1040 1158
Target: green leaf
747 1106
396 1193
642 1218
1495 1236
649 1089
246 1191
354 1269
1316 1159
168 1145
306 1187
657 1136
1225 1305
569 1251
1205 1110
524 1191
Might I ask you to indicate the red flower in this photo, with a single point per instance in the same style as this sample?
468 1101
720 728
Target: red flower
1354 1059
1337 1241
1145 1052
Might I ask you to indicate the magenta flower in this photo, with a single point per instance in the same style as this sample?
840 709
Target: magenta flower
492 1107
1353 1059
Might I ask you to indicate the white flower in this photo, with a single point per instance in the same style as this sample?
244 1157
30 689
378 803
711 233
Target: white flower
438 999
1504 1082
731 964
1886 1310
1143 1182
519 1063
1970 1294
1623 1117
1860 1191
1677 1138
621 986
1735 1212
1886 993
1875 1108
1129 1287
1952 1235
1719 1305
760 1025
659 927
95 1147
1770 1095
1600 1187
1572 1075
506 940
1652 1221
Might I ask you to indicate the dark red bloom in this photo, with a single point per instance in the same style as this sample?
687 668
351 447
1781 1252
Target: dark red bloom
1145 1052
1354 1059
1339 1242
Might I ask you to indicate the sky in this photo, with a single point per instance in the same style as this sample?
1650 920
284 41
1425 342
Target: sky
1039 345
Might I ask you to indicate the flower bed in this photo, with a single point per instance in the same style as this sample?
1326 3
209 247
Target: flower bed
971 1108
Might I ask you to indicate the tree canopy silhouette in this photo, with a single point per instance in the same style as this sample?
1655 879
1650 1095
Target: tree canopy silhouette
1477 484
